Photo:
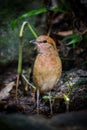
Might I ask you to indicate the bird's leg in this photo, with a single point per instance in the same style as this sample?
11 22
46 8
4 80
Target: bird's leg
50 103
38 93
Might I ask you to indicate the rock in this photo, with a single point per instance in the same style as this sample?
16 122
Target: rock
22 122
70 121
65 121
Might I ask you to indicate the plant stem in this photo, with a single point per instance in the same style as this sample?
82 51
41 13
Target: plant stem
17 83
19 65
20 50
32 31
20 57
28 82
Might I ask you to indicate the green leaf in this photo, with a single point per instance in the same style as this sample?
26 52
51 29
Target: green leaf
74 38
39 11
14 24
66 98
71 84
52 96
45 98
58 9
33 12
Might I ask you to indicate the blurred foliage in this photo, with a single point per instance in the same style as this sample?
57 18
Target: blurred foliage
36 12
73 39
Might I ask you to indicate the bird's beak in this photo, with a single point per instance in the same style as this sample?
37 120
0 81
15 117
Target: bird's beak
33 41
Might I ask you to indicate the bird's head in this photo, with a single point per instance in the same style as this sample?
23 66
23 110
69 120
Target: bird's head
45 44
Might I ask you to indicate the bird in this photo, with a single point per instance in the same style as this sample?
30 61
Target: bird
47 66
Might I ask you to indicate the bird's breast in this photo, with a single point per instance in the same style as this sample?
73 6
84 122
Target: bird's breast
46 72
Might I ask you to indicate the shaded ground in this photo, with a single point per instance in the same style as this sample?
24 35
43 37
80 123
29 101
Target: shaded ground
72 84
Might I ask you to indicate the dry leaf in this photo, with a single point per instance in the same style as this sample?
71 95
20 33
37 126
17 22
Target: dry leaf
64 33
4 93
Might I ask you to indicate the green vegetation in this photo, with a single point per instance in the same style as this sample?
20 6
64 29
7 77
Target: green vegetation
73 39
35 12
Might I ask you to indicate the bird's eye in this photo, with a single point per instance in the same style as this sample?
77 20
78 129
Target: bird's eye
44 41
